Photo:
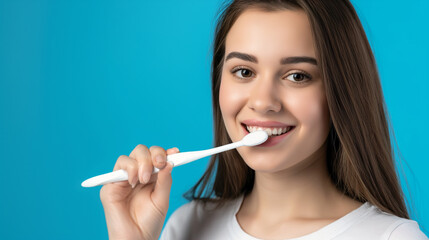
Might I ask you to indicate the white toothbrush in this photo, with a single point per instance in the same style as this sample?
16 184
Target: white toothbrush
177 159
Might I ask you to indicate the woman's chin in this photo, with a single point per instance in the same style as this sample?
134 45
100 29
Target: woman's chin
264 165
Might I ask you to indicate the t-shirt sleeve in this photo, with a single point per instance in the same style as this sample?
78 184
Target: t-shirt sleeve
407 230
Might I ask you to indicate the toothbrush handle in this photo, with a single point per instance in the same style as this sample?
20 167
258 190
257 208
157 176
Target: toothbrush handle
176 159
115 176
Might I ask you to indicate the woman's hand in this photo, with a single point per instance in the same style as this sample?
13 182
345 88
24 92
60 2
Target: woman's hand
136 209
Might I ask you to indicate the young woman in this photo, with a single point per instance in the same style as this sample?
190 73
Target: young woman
303 71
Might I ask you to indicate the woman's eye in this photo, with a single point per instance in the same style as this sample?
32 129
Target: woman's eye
243 73
298 77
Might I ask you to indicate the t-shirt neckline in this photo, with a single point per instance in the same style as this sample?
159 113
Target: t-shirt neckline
327 232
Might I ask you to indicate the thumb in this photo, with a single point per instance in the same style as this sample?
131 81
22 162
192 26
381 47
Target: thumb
161 192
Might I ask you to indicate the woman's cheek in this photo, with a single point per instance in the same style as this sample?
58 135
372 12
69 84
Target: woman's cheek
312 112
231 99
224 98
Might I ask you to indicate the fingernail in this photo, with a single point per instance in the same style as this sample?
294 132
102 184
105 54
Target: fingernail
135 181
140 173
134 185
146 177
159 159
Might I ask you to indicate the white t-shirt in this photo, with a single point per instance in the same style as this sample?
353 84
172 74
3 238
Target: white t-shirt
194 221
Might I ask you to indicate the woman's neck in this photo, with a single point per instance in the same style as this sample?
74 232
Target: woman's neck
304 191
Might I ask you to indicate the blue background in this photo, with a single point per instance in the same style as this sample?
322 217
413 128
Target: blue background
84 81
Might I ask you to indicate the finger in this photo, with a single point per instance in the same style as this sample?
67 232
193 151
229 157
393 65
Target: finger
172 151
159 156
162 188
145 167
130 166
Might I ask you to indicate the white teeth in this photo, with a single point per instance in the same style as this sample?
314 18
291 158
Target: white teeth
270 131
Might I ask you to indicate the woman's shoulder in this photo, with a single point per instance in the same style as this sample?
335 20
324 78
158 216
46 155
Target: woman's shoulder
407 229
398 228
376 222
198 218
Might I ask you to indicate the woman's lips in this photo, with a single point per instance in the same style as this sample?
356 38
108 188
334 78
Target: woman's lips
272 140
266 124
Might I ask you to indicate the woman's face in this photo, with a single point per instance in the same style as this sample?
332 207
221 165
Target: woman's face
270 79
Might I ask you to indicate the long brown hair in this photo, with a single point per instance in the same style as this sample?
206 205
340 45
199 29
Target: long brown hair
359 154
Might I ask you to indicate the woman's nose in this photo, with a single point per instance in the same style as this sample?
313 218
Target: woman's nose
264 97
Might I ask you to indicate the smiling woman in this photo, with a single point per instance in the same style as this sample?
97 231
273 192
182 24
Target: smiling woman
303 71
304 66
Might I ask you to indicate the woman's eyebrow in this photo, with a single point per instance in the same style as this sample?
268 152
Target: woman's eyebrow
286 60
242 56
291 60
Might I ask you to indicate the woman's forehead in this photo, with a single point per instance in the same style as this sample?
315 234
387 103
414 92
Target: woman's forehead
270 34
